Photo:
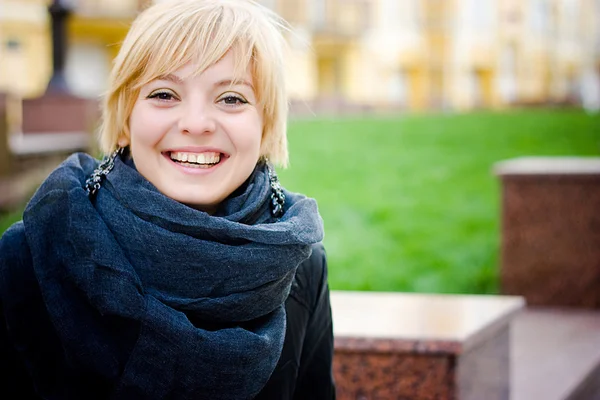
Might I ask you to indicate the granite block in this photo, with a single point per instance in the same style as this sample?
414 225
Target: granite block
419 346
5 154
550 237
484 371
59 113
384 376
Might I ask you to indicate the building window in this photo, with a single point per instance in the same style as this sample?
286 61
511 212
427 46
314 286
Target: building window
319 13
389 12
13 44
410 15
397 89
540 16
479 15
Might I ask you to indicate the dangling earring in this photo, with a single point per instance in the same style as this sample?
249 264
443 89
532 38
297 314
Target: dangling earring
93 183
277 195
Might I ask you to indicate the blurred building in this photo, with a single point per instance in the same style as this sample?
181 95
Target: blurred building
25 52
358 54
96 27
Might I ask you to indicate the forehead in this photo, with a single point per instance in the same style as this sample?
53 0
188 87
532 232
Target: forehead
225 68
234 65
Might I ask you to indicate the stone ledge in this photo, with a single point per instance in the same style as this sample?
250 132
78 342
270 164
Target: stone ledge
548 166
421 346
550 230
555 354
41 143
421 323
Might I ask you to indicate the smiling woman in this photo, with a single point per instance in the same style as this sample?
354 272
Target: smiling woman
178 267
196 137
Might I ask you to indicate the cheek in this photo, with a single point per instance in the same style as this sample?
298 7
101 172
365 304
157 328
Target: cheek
250 135
257 139
145 125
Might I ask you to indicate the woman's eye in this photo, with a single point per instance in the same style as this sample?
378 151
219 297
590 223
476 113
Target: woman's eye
233 100
163 96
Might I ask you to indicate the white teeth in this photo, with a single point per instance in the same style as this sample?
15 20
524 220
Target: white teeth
208 158
196 158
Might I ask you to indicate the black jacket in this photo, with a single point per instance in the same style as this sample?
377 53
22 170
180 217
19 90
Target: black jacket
304 370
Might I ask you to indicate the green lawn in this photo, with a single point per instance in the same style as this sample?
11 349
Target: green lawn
6 220
411 203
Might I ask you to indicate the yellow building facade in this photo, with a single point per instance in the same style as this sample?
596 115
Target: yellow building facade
25 47
389 55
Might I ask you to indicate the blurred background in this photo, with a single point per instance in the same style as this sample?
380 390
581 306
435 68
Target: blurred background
399 111
401 55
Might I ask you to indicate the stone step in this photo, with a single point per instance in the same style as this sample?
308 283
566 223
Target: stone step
424 346
49 143
555 354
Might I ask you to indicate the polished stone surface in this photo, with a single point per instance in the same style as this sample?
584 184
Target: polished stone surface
418 322
420 346
550 235
484 371
376 376
548 166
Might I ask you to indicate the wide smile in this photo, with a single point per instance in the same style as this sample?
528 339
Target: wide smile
196 160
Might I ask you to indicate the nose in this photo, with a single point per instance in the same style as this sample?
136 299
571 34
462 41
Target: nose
196 119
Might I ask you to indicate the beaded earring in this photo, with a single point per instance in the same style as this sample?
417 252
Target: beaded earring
93 183
277 195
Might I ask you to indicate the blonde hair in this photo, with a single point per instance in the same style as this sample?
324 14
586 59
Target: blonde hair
170 34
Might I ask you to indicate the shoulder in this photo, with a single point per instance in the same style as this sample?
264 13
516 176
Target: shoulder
14 256
13 232
22 314
316 263
70 174
311 277
13 244
306 319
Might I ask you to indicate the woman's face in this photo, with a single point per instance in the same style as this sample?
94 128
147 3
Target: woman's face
197 139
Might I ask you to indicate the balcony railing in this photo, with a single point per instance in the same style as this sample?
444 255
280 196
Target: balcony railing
347 18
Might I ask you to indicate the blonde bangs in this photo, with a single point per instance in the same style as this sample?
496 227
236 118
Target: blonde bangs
171 34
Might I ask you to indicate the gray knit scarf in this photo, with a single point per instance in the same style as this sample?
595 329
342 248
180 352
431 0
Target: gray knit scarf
157 298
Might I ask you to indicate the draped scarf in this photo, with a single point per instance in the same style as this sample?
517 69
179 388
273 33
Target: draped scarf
157 298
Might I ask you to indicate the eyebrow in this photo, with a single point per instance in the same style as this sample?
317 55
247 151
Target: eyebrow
225 82
231 82
170 77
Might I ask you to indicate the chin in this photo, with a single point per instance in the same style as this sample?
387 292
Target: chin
203 204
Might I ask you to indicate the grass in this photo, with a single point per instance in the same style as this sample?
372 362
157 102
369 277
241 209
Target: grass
7 219
411 203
